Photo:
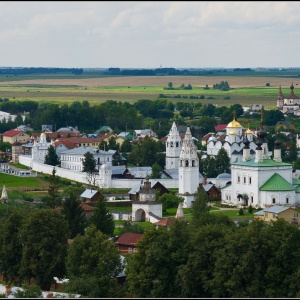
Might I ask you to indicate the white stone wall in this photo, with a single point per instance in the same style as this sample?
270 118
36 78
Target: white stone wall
81 177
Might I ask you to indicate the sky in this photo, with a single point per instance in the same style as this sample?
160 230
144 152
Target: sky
150 34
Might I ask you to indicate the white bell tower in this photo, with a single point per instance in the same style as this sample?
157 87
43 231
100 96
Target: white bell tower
173 148
188 170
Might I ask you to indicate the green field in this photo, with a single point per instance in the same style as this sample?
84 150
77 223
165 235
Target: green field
247 88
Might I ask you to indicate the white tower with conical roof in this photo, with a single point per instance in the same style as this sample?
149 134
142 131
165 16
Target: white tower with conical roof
173 148
188 170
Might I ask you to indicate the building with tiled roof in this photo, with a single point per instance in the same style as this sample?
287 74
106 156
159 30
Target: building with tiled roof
15 135
165 222
62 135
262 181
128 241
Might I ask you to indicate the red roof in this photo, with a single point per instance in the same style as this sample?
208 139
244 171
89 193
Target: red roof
68 144
130 239
86 207
12 132
62 134
77 140
220 127
166 222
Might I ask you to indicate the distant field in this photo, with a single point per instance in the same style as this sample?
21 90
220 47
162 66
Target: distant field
246 90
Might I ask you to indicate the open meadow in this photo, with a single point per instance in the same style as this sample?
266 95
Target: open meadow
246 90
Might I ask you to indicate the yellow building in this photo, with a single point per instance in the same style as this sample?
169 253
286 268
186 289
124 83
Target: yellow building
15 136
276 212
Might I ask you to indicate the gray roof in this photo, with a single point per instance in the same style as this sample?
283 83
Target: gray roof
117 170
273 209
139 186
207 186
276 209
85 149
224 175
88 193
140 172
173 173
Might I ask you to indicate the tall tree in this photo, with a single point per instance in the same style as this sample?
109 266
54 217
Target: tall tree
145 152
152 271
126 146
44 236
222 162
89 162
93 262
74 214
11 247
102 218
53 199
200 207
51 157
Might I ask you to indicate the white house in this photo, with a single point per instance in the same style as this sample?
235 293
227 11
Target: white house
72 159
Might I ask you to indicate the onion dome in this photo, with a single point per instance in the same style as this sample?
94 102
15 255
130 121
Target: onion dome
246 143
258 143
248 131
43 134
234 124
277 144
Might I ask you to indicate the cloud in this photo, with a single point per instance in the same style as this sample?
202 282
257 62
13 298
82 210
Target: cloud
128 32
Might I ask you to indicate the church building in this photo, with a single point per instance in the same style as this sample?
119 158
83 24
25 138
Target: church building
233 143
262 181
289 104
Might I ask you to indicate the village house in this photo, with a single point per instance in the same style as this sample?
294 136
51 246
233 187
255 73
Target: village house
15 135
90 195
127 242
276 212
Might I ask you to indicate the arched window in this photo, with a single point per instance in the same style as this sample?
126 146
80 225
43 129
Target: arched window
171 145
193 163
177 145
186 163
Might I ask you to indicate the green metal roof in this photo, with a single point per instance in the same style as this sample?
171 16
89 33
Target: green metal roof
276 183
298 189
296 181
264 163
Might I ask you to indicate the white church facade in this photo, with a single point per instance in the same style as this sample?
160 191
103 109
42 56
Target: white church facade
233 142
262 182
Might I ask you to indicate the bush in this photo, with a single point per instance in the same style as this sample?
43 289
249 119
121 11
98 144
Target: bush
250 209
241 211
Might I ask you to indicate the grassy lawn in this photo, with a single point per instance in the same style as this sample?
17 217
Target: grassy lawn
12 181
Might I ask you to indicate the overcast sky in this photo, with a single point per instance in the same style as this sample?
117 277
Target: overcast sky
149 34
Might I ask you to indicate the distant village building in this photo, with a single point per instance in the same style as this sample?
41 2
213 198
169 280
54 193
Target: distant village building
290 104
